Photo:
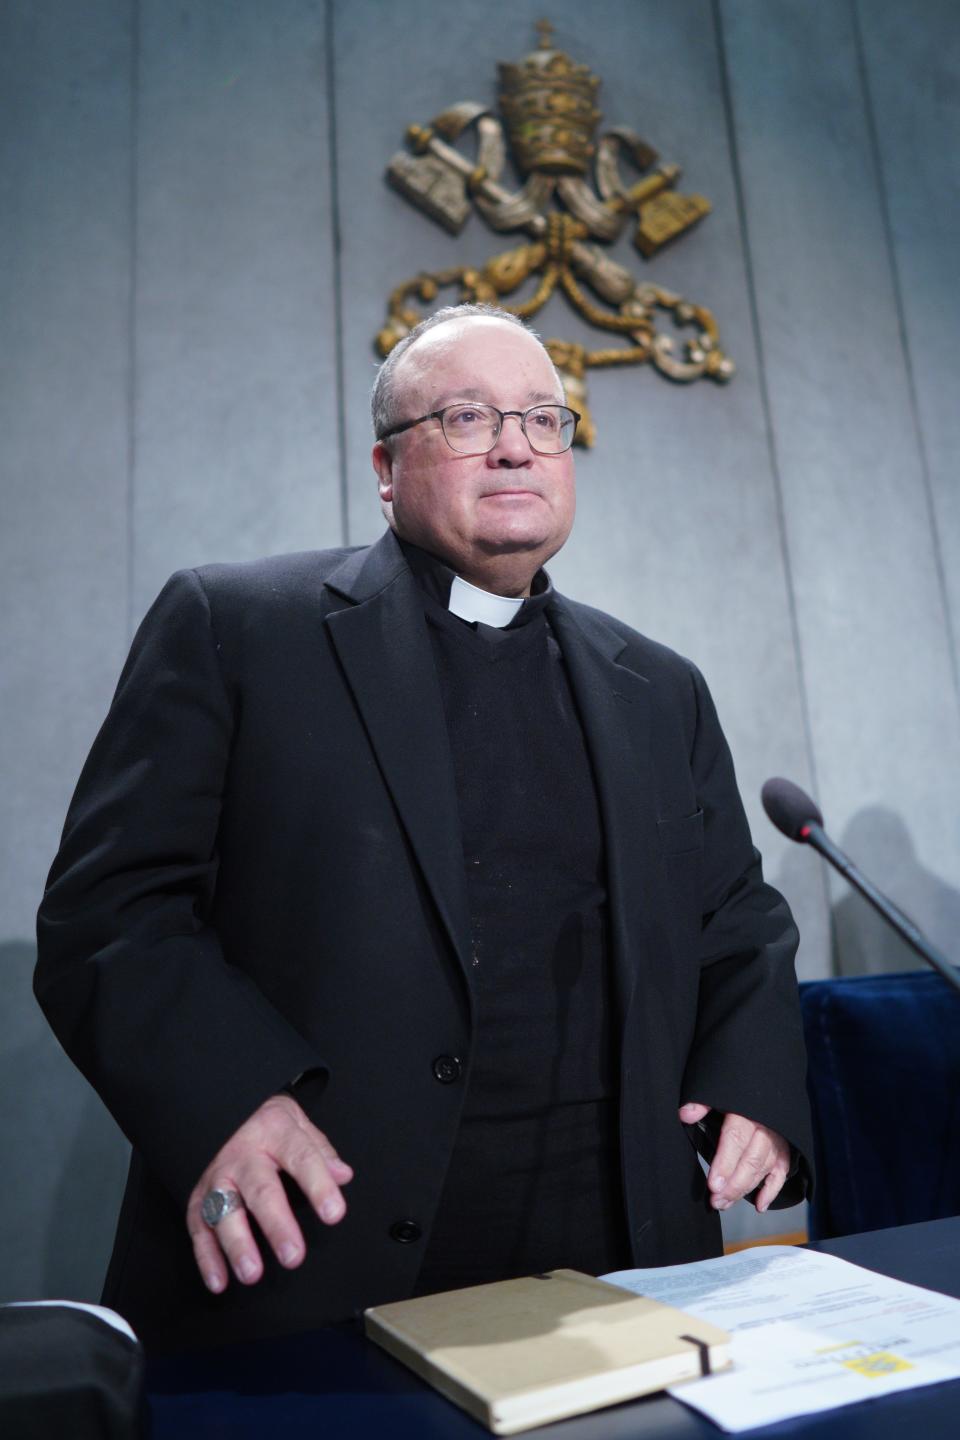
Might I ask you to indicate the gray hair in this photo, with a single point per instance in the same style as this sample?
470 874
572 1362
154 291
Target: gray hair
384 388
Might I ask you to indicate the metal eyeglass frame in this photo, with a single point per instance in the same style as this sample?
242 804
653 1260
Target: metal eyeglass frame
520 415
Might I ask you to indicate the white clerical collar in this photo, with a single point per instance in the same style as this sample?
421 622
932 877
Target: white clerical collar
472 604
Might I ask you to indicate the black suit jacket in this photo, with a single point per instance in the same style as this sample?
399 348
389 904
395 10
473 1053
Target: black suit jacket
261 875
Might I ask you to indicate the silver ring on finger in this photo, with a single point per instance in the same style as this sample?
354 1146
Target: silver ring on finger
218 1204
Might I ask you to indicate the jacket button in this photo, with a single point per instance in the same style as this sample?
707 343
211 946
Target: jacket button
447 1068
405 1231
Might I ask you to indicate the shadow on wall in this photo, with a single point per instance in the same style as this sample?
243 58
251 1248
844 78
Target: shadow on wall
879 843
64 1160
799 877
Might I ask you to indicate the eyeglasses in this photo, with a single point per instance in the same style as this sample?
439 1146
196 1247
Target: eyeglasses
474 429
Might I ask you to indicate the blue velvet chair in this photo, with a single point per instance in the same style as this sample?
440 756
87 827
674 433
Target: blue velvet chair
884 1082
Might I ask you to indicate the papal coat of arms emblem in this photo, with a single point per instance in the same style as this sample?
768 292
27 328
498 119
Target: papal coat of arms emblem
548 105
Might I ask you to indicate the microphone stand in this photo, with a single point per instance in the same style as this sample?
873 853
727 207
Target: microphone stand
816 836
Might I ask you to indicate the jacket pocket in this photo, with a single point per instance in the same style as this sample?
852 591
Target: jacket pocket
681 834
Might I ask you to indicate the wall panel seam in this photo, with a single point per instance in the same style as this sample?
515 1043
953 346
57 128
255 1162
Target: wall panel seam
771 439
338 328
132 397
886 221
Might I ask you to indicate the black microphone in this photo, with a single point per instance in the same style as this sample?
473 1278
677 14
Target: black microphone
796 815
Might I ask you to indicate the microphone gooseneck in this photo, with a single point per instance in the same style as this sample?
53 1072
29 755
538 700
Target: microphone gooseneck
797 816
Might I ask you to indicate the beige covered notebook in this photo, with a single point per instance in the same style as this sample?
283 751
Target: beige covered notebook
523 1352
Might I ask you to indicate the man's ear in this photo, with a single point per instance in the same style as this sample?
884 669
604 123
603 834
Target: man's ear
383 465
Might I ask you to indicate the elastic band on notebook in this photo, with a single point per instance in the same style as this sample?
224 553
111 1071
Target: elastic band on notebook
704 1349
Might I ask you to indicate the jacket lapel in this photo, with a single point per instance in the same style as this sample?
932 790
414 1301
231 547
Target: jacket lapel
614 706
383 645
382 642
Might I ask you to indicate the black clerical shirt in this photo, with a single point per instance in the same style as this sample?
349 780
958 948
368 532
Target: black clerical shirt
534 1181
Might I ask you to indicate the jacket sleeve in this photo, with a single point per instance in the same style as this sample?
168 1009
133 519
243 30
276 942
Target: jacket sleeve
748 1053
180 1045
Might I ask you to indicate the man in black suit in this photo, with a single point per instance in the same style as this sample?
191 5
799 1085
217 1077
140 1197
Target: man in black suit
397 853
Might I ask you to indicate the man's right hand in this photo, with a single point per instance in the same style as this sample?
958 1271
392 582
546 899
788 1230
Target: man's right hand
277 1137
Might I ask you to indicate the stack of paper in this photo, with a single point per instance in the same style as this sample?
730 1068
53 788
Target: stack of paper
810 1332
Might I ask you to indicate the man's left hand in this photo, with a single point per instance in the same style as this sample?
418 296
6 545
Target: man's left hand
748 1155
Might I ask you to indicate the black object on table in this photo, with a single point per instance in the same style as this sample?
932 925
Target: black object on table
333 1385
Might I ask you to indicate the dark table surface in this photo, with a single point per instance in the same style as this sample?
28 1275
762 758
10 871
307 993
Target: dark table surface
334 1385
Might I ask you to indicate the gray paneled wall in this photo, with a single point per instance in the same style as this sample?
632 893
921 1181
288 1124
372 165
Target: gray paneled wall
67 128
235 431
872 628
195 249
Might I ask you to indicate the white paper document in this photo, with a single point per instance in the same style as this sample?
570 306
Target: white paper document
810 1332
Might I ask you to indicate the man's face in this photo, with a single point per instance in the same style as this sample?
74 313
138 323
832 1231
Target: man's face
500 514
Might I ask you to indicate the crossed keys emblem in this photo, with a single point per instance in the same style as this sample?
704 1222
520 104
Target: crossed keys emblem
548 104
